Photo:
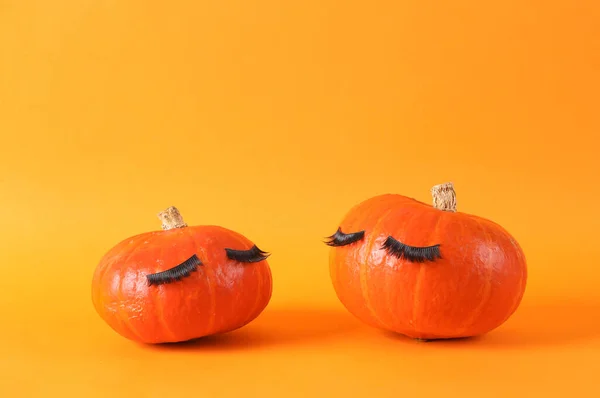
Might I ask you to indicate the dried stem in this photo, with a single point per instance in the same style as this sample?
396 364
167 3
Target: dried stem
444 197
171 218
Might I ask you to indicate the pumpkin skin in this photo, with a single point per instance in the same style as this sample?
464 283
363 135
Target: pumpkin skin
474 287
220 296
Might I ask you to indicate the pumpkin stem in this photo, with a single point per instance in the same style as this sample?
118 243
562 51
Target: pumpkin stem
171 218
444 197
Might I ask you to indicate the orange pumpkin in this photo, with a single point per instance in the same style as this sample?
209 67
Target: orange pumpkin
181 283
427 272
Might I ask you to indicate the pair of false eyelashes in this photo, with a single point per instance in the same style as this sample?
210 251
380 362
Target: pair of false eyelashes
253 255
185 269
394 247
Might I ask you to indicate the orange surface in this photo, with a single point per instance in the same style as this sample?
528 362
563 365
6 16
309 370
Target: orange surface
274 118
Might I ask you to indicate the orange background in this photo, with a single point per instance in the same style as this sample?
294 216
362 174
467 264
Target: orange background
273 118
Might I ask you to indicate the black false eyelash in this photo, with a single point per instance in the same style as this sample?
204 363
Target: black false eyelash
411 253
342 239
252 255
176 273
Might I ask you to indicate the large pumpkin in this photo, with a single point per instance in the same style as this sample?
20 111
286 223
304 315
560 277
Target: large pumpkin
427 272
181 283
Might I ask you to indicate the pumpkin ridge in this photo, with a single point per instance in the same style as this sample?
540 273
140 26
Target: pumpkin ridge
487 289
416 298
517 247
160 304
243 243
363 269
419 280
101 280
388 281
106 262
120 295
351 219
516 302
211 288
522 281
100 299
519 256
259 288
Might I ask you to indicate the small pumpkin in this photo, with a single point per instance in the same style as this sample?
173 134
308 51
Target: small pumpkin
426 272
181 283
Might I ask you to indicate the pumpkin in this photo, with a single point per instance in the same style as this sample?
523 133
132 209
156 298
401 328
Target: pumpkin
426 271
181 283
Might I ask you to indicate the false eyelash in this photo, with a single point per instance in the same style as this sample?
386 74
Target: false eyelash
252 255
342 239
176 273
411 253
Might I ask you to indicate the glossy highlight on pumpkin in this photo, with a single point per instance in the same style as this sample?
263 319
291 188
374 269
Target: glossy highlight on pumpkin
471 280
179 284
